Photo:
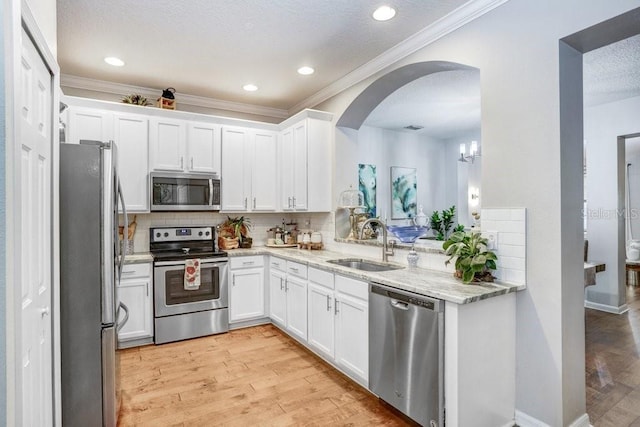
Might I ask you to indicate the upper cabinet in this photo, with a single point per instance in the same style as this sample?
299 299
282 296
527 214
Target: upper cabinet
305 152
131 134
184 146
249 163
88 123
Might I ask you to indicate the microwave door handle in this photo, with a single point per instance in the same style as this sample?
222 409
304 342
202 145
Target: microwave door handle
210 191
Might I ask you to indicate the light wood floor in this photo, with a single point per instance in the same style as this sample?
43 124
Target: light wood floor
248 377
613 365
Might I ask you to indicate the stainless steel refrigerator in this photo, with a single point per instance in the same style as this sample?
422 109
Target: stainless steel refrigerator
90 267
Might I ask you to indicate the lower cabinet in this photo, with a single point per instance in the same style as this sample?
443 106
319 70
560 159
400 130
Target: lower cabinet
338 321
246 288
288 292
135 291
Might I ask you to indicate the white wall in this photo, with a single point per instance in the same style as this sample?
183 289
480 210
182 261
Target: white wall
386 148
519 60
3 269
605 161
467 175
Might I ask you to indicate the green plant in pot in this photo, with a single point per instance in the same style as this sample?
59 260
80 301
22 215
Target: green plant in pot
441 222
241 227
473 261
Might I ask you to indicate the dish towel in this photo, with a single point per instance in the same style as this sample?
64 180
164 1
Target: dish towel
192 274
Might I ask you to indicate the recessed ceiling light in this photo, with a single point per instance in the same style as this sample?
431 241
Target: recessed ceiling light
112 60
250 87
384 13
305 71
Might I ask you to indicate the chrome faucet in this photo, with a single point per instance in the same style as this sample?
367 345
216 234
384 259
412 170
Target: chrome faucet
385 251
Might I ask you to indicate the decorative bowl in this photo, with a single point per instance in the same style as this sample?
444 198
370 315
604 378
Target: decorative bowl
408 233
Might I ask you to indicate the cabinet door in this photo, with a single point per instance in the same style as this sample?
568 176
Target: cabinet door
167 139
286 169
297 307
131 134
136 295
321 319
278 297
235 182
264 171
300 166
352 336
86 123
247 294
203 148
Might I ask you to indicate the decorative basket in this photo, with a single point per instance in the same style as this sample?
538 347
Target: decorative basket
226 243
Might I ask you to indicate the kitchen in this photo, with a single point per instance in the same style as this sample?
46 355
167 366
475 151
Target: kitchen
497 193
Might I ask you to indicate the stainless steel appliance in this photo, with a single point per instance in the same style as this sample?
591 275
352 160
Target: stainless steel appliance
406 351
90 267
188 313
185 192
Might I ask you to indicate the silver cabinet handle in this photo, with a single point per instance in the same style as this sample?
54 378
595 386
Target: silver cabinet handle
128 272
254 203
181 162
294 203
289 202
147 288
328 302
233 281
286 285
335 307
281 285
245 203
247 262
192 163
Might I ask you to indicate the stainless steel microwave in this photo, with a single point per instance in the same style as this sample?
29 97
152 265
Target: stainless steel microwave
184 192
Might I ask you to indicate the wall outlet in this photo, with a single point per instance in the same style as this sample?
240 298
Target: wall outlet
492 239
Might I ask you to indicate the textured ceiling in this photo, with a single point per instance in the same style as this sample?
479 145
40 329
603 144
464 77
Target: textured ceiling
211 48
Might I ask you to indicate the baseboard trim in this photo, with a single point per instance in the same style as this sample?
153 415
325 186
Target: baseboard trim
606 308
526 420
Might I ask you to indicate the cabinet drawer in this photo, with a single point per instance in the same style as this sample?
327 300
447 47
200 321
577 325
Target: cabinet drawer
278 264
246 261
321 277
297 269
353 287
130 271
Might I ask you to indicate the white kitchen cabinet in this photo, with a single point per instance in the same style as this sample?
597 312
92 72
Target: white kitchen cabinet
246 288
249 159
204 148
288 293
352 327
131 134
167 144
136 292
321 322
88 123
305 179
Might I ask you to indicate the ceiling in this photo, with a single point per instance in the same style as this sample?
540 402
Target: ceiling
210 49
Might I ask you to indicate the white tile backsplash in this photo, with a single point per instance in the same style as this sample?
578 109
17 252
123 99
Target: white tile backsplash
511 225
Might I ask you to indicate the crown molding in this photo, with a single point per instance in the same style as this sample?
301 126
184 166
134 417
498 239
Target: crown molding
198 101
445 25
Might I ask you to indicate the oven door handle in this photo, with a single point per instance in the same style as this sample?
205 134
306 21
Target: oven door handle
182 262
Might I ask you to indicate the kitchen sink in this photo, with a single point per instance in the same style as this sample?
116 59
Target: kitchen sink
365 265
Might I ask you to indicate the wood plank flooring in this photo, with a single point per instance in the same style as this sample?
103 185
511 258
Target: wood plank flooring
250 377
613 365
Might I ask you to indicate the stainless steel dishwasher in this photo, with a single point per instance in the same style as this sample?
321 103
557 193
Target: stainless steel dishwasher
406 351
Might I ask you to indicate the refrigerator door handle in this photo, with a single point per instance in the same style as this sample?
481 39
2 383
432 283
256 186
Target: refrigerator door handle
126 316
125 233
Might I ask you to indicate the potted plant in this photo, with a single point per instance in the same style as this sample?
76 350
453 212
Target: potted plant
234 233
441 222
473 260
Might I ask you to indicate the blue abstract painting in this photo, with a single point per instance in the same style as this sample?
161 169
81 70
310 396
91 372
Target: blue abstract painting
367 183
403 192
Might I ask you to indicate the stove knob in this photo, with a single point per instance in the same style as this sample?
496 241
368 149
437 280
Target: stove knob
200 233
207 233
166 234
158 234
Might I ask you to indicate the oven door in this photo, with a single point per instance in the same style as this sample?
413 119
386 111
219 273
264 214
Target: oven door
171 297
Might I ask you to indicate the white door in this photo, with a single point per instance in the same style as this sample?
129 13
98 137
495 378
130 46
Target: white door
167 141
278 297
264 172
352 336
236 177
203 148
247 294
33 220
297 307
136 295
321 319
131 134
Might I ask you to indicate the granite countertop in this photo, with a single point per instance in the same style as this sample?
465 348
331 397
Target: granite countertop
138 258
430 283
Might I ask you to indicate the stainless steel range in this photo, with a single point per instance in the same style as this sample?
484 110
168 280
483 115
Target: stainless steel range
183 311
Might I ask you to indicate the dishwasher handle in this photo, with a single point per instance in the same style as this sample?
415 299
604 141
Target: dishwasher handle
401 299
